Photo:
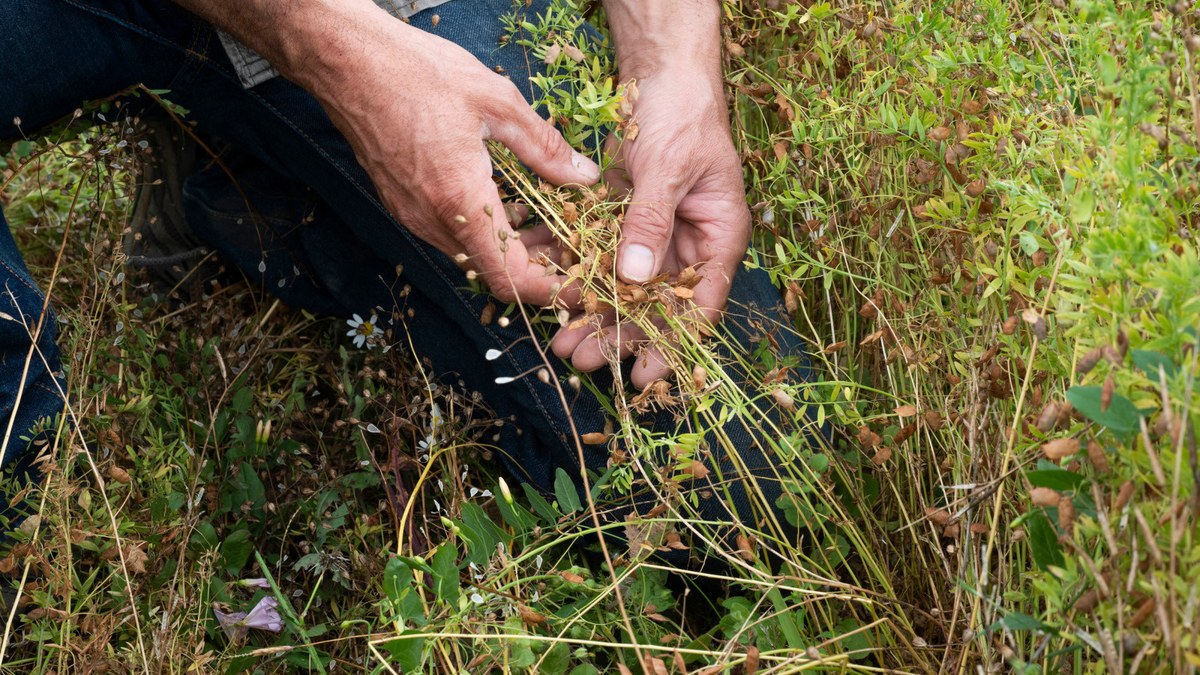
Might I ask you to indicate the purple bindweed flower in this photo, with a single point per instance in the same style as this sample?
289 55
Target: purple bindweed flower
264 616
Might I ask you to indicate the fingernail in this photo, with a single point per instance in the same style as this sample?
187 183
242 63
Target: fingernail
637 263
585 166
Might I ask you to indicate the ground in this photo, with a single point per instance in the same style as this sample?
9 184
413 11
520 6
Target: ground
983 218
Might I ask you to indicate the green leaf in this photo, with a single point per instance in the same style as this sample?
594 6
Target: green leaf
1028 243
242 400
482 533
445 573
543 508
236 550
1016 621
1108 68
565 492
408 652
405 603
1121 417
1149 362
518 517
1057 478
556 659
1043 540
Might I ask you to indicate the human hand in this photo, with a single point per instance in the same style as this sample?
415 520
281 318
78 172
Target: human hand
418 110
688 208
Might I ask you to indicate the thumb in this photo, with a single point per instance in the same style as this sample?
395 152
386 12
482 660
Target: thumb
646 234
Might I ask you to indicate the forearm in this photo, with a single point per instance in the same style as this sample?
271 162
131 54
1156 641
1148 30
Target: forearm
311 42
656 35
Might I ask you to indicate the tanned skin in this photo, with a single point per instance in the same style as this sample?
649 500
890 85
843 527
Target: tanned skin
418 109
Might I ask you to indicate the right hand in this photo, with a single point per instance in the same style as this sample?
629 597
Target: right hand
418 109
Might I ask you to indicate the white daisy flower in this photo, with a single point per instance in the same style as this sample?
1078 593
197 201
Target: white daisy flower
363 332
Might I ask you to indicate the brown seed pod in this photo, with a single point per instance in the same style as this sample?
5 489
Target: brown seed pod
745 547
1048 418
868 438
881 457
594 438
1097 457
1010 325
976 187
784 400
699 377
1143 612
1106 393
531 617
1112 355
1123 495
697 469
939 517
933 420
1044 496
1066 516
1059 448
1087 601
1090 359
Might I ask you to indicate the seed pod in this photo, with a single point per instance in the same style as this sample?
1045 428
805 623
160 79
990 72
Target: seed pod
784 400
976 187
1112 355
939 517
1064 414
1044 496
1097 457
594 438
1123 495
531 617
1143 612
1087 601
1066 516
1060 447
118 474
881 457
1010 325
574 53
1106 394
699 377
1089 360
1048 419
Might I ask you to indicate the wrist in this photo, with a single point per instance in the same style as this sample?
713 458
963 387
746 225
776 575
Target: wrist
652 36
327 43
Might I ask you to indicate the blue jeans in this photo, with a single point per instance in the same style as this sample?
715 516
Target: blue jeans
327 242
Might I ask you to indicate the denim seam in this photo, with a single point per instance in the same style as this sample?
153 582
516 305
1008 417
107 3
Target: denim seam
21 278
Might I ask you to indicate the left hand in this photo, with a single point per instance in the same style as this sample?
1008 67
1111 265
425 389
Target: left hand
688 208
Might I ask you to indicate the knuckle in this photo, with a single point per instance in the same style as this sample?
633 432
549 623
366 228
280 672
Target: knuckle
547 139
656 221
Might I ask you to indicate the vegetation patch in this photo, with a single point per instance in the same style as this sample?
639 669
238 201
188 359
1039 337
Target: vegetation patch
982 217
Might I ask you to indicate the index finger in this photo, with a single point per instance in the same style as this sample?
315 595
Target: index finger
499 255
